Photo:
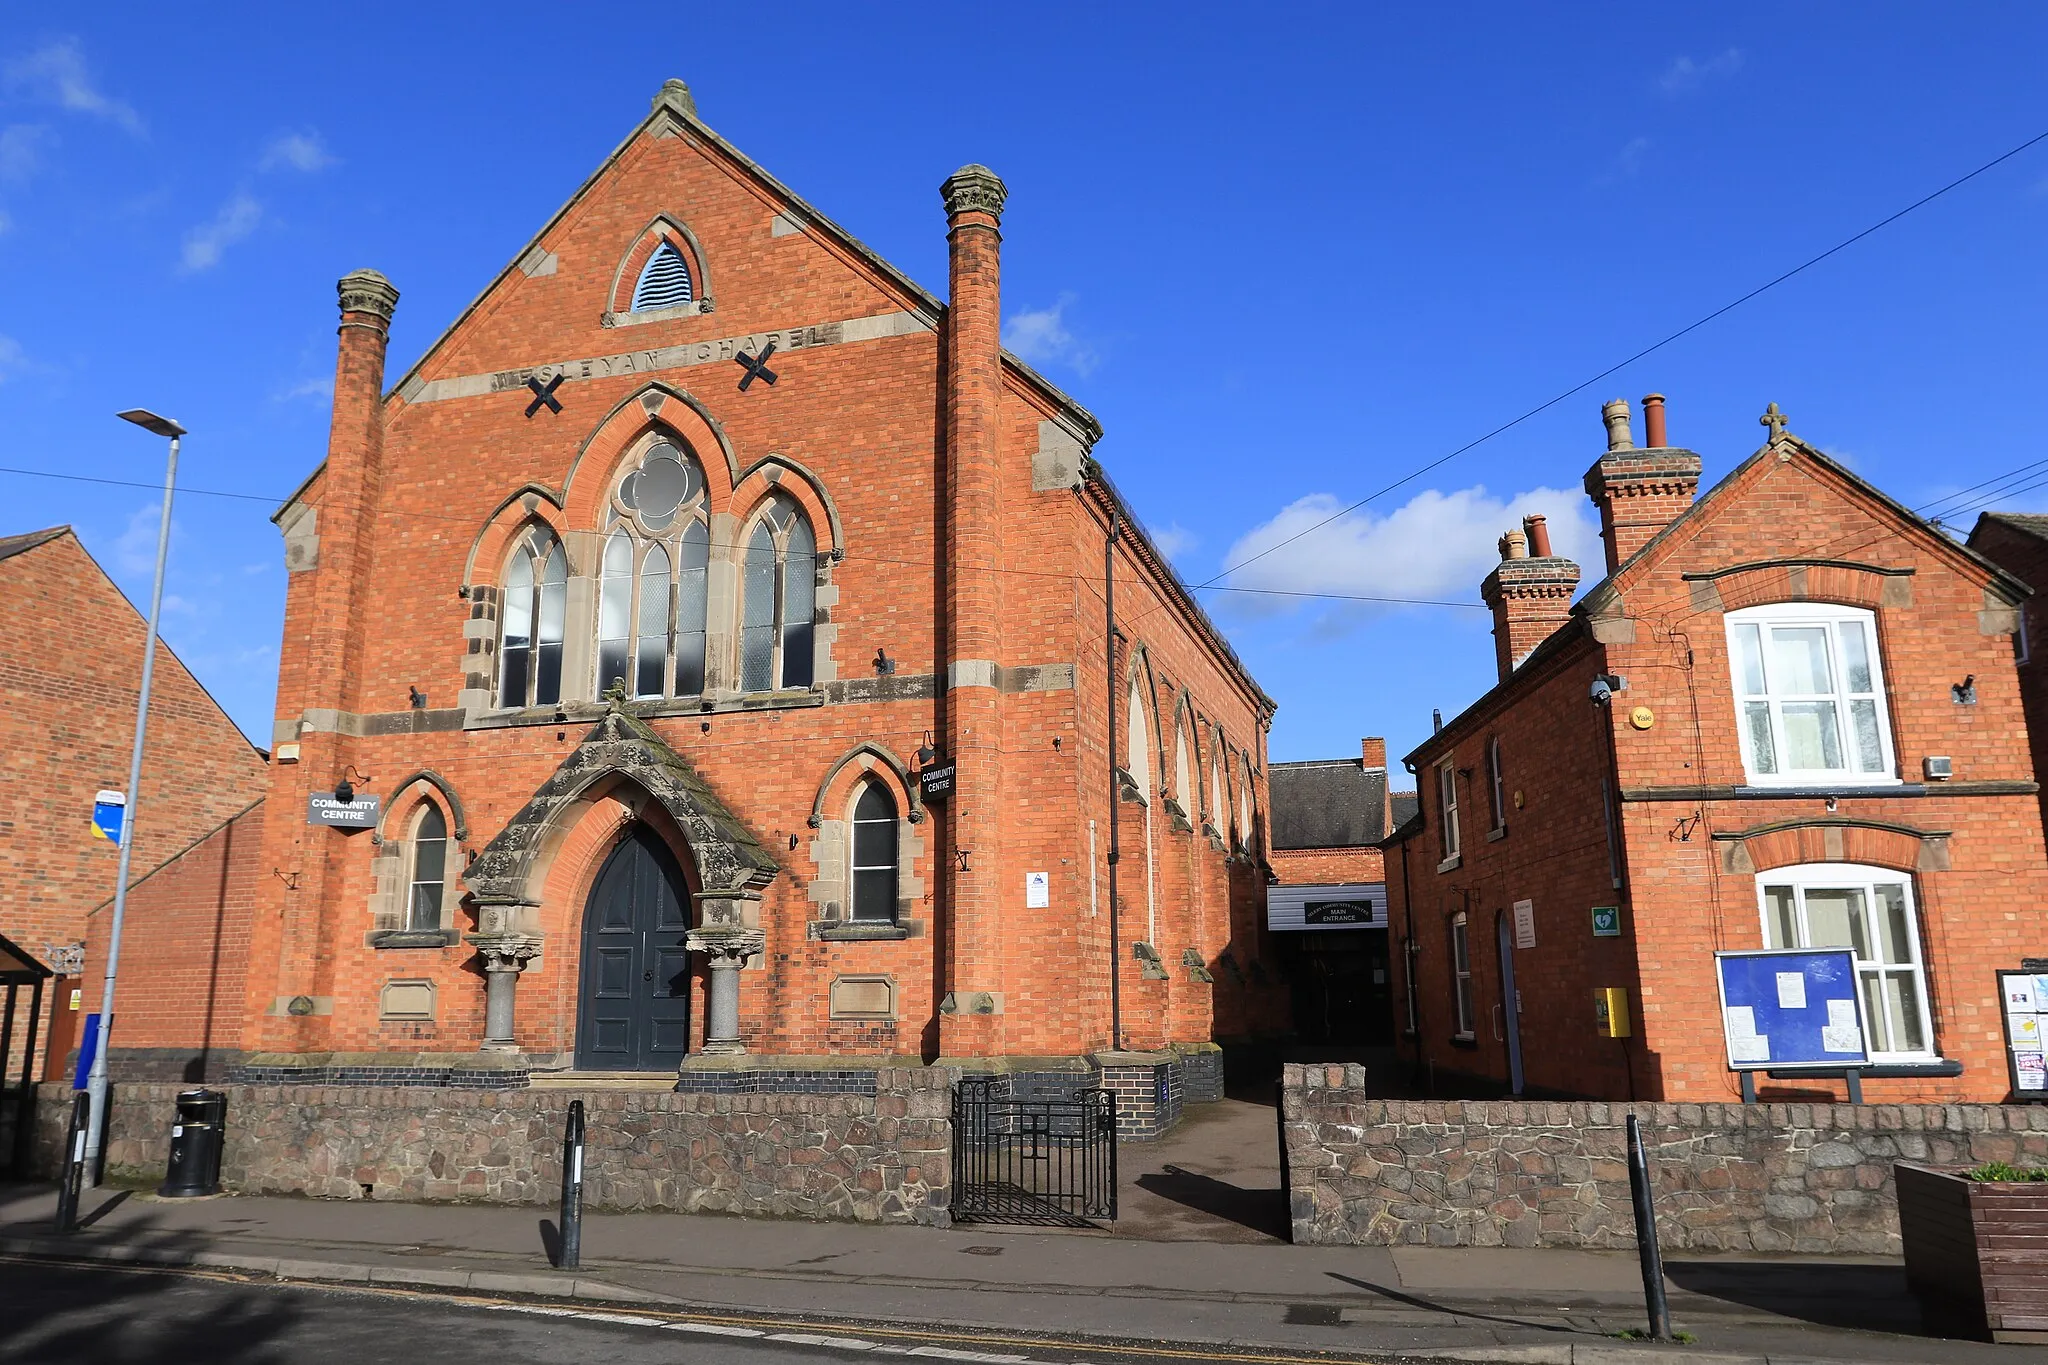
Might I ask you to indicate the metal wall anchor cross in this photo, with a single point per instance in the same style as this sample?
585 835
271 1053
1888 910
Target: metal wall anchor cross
544 393
756 367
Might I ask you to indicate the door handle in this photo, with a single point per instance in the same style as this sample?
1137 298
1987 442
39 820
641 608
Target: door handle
647 976
1498 1036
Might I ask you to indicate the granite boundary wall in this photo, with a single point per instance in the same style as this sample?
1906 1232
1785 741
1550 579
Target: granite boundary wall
885 1157
1814 1178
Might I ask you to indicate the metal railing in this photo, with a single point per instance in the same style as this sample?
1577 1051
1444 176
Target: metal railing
1048 1160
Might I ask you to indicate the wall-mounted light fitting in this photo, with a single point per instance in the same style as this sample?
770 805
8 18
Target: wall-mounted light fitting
884 665
344 790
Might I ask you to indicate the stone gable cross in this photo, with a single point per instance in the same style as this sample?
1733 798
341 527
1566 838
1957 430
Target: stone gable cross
1775 420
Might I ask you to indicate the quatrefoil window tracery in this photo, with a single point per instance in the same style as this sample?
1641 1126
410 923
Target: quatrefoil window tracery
666 483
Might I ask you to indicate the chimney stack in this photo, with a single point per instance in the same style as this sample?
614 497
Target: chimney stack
1530 592
1373 750
1639 492
970 631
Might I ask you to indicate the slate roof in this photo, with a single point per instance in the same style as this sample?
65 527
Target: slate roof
1328 803
2032 523
11 546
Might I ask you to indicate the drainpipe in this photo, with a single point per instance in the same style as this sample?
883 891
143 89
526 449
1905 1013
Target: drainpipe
1116 1005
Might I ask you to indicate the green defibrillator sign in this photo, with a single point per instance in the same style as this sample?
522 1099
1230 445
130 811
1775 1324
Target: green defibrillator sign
1606 921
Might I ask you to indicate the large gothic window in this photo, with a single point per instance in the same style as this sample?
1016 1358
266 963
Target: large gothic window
535 602
651 587
778 597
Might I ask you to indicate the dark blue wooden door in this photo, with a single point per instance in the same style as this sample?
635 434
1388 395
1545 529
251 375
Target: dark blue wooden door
635 1010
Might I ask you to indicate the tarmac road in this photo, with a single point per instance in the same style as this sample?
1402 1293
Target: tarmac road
102 1315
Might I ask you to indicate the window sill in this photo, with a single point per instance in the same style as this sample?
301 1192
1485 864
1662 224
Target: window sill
1465 1040
1496 834
694 308
1451 863
1934 1067
859 931
1821 784
412 938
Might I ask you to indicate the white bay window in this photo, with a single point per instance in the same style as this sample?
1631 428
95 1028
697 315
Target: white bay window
1809 695
1868 910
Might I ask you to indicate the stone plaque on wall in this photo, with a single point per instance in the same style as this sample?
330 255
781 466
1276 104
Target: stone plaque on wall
864 997
407 1000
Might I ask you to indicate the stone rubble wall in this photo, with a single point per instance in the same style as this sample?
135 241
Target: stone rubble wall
1814 1178
880 1158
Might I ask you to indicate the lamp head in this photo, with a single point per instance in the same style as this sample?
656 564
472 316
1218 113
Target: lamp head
150 422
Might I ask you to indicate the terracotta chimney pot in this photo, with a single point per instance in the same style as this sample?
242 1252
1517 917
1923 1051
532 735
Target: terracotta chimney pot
1538 530
1653 421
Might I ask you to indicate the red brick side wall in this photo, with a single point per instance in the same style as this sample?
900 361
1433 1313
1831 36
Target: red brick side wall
70 670
2026 558
184 952
1328 866
1975 853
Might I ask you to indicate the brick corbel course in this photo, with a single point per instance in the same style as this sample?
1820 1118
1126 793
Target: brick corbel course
1806 1178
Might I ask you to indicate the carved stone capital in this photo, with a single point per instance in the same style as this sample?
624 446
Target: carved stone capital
366 291
505 952
974 189
727 947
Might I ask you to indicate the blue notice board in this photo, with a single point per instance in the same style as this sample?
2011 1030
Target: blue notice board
1784 1008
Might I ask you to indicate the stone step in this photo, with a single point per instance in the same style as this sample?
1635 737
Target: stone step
602 1080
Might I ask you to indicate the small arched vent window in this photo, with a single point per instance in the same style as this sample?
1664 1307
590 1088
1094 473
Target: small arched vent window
664 280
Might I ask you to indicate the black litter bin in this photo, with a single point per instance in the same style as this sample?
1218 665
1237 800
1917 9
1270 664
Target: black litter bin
196 1137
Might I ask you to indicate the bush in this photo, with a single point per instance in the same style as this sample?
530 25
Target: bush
2003 1173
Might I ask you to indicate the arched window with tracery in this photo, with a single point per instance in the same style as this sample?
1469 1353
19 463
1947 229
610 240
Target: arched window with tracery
874 853
427 878
778 598
651 585
536 595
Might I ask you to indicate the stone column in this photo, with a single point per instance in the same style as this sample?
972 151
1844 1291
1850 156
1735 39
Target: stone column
727 949
505 958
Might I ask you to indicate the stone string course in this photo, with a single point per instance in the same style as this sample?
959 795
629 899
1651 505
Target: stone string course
885 1157
1813 1178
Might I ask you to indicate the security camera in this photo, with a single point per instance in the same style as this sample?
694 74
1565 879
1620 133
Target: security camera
1600 693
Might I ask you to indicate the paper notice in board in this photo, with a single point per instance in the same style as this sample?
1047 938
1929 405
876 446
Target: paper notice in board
2031 1070
2026 1032
1791 990
2021 997
1744 1045
1840 1033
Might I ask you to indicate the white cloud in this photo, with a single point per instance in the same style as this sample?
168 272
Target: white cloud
1173 540
1685 75
21 146
135 547
1041 337
55 72
1436 547
13 360
1627 161
237 219
295 151
321 388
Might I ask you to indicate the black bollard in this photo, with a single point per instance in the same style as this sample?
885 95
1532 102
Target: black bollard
1646 1234
572 1189
72 1178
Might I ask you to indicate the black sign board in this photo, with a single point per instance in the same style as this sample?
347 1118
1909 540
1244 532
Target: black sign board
323 809
1337 912
935 783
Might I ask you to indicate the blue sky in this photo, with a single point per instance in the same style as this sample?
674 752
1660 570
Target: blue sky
1287 255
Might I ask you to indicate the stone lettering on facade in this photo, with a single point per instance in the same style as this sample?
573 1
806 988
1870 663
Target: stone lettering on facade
671 357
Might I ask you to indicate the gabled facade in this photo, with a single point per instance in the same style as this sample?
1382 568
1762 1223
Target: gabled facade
1788 716
70 672
640 602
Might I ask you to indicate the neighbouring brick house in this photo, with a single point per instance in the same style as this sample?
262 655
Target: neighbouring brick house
640 618
1327 908
2018 543
70 671
1787 716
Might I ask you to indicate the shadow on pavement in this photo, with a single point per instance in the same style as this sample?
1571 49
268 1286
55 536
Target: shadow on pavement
1868 1297
1397 1296
1261 1210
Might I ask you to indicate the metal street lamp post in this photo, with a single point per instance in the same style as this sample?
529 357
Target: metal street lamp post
96 1080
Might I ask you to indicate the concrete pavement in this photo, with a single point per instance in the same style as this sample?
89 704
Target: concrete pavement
1475 1303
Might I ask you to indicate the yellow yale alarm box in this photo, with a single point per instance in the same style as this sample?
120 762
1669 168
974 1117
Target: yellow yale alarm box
1610 1010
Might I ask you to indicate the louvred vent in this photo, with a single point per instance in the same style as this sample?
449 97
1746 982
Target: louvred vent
665 282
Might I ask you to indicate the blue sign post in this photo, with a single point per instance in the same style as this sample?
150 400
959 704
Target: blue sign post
1793 1009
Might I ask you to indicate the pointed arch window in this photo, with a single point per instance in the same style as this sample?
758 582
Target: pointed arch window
874 854
428 879
530 627
778 598
651 591
1138 743
1219 803
615 613
664 281
1183 781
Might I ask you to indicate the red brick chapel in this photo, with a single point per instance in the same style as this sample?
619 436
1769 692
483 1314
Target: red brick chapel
639 603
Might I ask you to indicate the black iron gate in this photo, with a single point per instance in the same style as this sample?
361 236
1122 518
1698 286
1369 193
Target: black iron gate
1049 1161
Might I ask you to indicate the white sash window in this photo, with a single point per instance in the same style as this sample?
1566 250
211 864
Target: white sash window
1809 695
